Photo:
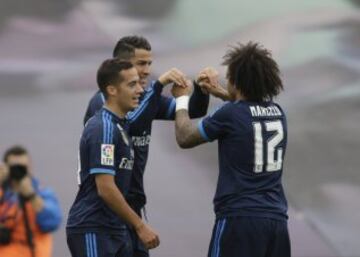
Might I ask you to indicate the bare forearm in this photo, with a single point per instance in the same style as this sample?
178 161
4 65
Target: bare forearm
223 94
187 134
115 200
182 126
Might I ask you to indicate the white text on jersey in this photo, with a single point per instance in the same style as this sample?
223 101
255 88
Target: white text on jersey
257 111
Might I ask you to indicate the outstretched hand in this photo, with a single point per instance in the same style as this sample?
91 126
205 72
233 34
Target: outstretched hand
208 80
173 76
178 91
209 75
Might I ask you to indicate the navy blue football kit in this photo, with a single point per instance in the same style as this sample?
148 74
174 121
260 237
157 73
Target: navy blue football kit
252 139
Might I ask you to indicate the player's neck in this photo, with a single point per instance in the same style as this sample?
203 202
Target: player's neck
115 109
239 96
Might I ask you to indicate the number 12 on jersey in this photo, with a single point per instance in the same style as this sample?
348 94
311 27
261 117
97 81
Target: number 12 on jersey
275 128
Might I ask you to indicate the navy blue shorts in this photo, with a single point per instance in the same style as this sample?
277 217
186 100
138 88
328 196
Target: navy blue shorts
249 237
100 244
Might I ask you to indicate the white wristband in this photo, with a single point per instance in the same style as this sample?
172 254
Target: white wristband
182 103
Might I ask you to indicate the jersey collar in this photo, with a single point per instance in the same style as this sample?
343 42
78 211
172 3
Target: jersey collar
116 118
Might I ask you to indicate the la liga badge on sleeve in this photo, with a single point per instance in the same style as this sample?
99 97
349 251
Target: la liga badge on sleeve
107 154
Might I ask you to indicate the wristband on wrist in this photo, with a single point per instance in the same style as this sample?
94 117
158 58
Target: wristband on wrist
182 103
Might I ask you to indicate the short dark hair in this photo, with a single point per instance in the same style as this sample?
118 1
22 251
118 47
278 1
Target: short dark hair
109 73
123 51
16 150
138 42
252 70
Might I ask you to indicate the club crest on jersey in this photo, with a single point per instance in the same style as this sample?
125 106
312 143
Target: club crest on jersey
123 135
107 154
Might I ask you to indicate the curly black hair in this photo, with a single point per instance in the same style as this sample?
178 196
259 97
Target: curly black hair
253 71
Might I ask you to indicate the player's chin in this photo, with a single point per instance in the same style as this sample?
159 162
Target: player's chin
134 103
143 83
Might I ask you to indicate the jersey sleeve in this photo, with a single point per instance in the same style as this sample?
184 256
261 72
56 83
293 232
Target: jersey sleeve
198 105
166 109
101 149
49 218
216 125
95 104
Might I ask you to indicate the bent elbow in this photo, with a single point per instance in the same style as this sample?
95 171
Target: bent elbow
184 144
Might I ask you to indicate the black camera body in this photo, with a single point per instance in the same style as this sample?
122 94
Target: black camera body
5 235
17 172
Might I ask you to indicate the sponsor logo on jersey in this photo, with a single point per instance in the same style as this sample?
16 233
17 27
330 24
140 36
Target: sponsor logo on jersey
107 154
126 164
141 141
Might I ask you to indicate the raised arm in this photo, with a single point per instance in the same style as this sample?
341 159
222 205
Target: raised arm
199 100
43 201
216 90
215 126
208 80
198 105
49 216
187 134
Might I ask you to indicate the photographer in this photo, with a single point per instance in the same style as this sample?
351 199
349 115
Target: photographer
28 213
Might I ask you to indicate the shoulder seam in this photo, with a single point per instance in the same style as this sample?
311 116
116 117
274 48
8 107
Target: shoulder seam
108 128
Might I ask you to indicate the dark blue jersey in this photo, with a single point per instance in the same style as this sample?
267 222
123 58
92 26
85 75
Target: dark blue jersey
105 148
252 140
152 106
95 104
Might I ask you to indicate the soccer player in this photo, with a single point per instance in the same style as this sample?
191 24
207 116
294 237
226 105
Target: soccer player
123 52
153 106
251 129
97 220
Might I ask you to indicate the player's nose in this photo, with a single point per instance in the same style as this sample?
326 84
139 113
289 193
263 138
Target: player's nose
139 89
146 70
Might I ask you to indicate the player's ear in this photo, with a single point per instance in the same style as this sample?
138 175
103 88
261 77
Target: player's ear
111 90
